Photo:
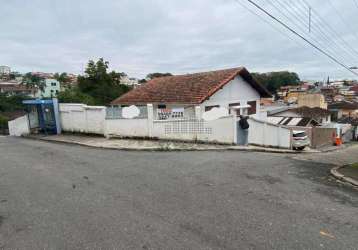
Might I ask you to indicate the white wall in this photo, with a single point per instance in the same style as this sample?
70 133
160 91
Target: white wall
19 126
267 134
236 91
85 119
127 128
82 118
222 130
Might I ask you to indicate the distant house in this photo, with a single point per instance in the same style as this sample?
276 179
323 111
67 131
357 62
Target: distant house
301 116
312 101
344 109
52 88
14 88
130 81
230 88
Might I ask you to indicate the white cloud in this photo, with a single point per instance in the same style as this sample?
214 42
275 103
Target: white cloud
140 37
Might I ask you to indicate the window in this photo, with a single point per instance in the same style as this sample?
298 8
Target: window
208 108
233 105
53 84
252 109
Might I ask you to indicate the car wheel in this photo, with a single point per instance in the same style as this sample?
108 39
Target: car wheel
300 148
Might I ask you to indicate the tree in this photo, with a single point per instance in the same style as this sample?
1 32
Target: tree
274 80
11 103
73 95
34 81
156 75
62 78
101 85
3 123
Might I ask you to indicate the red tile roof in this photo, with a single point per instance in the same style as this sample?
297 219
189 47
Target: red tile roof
186 89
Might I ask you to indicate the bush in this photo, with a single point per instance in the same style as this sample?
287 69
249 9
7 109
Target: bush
73 95
3 122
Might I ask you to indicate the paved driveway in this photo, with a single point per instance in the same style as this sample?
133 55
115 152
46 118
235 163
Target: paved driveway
55 196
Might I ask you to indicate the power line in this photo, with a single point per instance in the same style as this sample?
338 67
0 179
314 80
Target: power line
302 37
289 13
340 37
289 16
316 26
342 19
355 3
267 22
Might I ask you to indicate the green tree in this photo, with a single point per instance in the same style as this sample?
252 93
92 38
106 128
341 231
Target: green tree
11 103
274 80
3 122
63 78
101 85
157 75
34 81
73 95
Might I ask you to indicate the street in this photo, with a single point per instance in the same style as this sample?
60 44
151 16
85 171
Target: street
59 196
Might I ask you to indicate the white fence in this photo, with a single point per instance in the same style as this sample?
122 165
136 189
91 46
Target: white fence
267 134
19 126
89 119
82 118
221 130
127 128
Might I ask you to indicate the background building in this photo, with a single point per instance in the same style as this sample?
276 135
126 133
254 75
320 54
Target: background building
5 70
51 89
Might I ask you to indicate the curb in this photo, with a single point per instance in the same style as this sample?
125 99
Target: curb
334 171
168 149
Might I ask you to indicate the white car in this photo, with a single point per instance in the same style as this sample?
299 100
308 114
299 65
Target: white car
300 140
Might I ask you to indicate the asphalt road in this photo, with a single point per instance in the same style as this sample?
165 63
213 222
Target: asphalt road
56 196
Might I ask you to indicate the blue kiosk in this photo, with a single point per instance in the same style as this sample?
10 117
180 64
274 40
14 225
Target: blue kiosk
46 113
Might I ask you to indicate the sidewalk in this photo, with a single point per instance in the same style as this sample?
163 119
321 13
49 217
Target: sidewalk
152 145
348 173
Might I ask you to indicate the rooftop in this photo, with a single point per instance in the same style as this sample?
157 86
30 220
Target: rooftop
187 89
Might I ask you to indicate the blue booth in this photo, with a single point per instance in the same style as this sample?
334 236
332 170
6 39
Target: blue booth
46 111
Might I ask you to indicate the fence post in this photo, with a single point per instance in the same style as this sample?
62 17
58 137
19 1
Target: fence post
198 112
197 118
150 119
234 124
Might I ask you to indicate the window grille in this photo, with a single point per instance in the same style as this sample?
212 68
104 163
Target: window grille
115 112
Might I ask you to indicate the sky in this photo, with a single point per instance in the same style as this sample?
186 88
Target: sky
183 36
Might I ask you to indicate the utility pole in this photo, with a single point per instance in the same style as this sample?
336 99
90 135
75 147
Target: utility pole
309 18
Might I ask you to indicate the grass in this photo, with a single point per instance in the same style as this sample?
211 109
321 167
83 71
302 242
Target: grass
355 165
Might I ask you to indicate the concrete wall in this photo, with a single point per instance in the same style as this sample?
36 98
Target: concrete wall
19 126
127 128
221 130
267 134
82 118
322 136
85 119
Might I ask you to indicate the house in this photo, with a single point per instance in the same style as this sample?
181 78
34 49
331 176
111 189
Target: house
14 88
179 95
344 109
300 116
312 101
130 81
51 89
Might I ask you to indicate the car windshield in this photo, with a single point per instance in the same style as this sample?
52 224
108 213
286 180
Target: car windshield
300 134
